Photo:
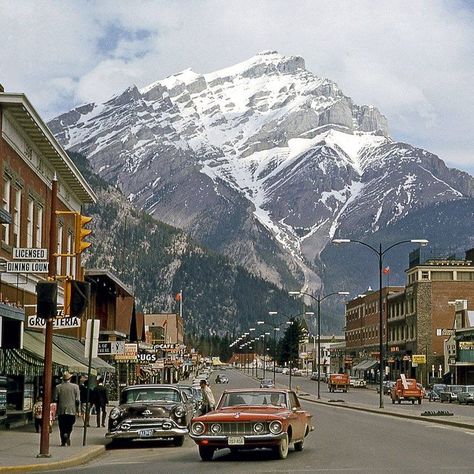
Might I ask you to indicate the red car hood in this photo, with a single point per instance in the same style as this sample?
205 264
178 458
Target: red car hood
244 413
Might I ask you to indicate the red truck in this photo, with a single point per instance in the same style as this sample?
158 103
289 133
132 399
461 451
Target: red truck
338 382
406 389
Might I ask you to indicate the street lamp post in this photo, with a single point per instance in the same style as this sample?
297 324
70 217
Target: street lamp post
275 329
380 253
318 299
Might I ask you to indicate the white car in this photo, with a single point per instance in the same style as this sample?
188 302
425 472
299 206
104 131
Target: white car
355 382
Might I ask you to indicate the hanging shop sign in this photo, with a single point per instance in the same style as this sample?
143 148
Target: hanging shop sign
111 347
418 358
146 357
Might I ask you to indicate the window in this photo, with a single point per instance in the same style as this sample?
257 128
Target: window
39 227
425 275
6 207
441 276
17 219
29 223
465 276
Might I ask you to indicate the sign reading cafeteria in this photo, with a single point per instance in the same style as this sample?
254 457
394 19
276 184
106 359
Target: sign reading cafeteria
27 267
58 323
30 254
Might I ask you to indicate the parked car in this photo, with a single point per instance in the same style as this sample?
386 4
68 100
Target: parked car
434 392
150 412
252 418
221 378
386 387
450 393
267 383
314 376
357 383
466 395
285 370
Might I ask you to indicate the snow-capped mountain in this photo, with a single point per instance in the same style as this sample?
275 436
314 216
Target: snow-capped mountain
263 161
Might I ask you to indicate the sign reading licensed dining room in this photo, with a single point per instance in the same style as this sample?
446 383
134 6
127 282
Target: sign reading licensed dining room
27 267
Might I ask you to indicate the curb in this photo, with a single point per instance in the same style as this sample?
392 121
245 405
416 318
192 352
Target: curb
457 424
93 452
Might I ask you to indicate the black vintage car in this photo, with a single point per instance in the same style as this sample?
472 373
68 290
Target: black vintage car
151 412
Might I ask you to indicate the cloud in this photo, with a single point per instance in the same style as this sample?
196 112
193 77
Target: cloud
413 60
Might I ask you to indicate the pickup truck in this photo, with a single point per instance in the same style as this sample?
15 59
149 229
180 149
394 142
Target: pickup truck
406 389
338 382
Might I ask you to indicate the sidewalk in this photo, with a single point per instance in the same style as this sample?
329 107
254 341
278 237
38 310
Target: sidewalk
19 448
466 422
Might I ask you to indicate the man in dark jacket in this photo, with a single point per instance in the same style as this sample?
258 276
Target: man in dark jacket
68 398
100 401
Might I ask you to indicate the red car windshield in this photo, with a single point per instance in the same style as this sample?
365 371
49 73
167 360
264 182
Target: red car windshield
253 398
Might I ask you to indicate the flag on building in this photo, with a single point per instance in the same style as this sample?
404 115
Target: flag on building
386 270
178 296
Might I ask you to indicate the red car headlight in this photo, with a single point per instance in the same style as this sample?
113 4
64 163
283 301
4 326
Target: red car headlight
198 428
275 427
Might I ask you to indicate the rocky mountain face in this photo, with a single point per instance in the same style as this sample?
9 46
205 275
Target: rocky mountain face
263 161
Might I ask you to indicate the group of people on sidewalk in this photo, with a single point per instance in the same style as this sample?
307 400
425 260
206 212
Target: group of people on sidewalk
70 401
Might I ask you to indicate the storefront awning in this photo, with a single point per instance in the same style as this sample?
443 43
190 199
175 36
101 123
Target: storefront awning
365 365
34 342
75 349
11 312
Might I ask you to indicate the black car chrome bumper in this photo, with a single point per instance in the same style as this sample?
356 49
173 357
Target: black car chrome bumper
148 433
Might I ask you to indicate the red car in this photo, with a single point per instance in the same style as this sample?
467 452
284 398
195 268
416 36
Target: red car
252 418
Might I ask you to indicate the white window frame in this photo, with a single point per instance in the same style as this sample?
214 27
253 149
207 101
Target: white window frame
6 206
29 223
17 218
39 227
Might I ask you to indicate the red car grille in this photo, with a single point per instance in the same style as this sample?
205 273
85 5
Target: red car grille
241 428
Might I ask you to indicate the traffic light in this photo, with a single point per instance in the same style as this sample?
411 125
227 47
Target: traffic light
82 233
80 295
46 299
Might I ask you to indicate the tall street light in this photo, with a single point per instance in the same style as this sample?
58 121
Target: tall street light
380 253
318 299
275 329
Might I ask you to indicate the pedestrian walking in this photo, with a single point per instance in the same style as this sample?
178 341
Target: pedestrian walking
101 401
83 389
38 413
208 400
68 399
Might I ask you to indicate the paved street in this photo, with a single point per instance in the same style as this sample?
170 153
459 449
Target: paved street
344 440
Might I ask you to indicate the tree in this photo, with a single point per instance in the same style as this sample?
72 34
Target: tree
289 344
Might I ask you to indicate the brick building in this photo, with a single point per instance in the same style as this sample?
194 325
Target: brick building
30 158
417 316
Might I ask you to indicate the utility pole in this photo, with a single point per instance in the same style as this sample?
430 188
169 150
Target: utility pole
48 343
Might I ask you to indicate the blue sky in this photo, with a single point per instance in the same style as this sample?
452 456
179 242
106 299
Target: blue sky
412 60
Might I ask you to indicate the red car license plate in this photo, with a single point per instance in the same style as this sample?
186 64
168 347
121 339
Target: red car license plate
235 440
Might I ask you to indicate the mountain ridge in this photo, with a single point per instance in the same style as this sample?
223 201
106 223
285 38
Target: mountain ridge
263 161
